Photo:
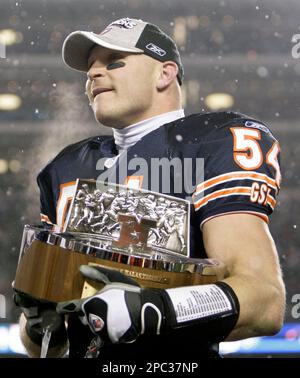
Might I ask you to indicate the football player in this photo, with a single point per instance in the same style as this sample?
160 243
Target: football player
134 77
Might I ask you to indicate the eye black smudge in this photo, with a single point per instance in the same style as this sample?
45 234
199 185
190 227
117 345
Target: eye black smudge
112 66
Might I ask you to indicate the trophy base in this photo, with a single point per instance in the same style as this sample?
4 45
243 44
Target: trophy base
51 273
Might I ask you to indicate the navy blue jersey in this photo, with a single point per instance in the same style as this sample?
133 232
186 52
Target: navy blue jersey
223 162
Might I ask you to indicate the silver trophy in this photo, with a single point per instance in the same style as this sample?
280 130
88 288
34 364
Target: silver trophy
142 234
133 220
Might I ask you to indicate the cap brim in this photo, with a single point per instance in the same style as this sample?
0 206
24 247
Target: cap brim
76 48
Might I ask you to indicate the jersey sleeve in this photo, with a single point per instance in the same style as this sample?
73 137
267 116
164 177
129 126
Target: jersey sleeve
47 203
241 172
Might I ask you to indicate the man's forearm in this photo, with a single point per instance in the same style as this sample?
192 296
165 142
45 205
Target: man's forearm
246 247
34 350
261 312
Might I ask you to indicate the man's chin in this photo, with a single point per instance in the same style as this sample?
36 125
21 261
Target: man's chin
108 121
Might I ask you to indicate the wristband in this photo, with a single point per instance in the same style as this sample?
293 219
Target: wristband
213 309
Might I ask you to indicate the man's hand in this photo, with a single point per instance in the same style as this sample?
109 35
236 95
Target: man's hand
120 312
30 306
41 316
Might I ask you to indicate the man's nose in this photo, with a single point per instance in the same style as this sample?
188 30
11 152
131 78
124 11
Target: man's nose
95 72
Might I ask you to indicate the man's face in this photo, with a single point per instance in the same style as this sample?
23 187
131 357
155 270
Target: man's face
122 86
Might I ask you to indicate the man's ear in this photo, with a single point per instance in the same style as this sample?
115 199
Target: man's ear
169 71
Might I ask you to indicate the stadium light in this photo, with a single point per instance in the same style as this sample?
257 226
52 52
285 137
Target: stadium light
216 101
10 37
10 102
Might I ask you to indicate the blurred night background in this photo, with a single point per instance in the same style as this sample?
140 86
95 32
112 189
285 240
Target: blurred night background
237 55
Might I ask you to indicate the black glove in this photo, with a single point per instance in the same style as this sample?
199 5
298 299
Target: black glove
41 316
121 311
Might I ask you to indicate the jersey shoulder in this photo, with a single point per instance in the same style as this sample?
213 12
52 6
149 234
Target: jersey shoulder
241 166
203 127
75 150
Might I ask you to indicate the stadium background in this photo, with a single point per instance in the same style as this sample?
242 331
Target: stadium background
241 49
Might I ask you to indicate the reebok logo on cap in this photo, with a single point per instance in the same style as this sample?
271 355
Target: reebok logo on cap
157 50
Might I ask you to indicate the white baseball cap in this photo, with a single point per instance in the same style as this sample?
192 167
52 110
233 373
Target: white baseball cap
125 34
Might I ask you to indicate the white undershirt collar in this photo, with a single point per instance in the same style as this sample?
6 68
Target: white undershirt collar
127 137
